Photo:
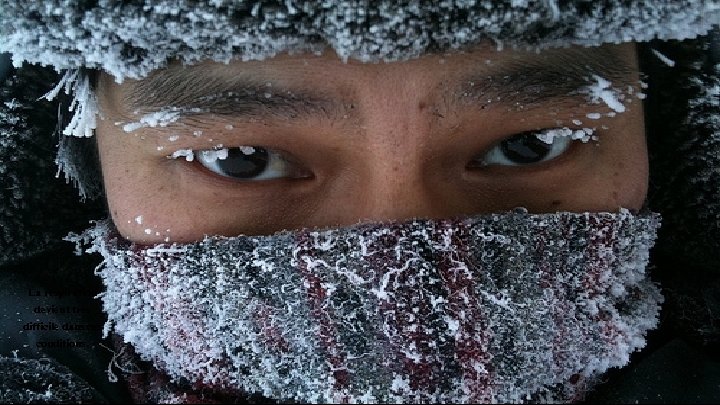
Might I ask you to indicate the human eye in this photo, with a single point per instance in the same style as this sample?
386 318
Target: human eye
245 163
532 147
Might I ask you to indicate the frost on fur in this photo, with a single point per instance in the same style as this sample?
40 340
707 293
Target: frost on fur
113 36
83 106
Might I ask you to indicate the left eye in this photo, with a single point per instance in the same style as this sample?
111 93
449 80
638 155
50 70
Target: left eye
523 149
249 163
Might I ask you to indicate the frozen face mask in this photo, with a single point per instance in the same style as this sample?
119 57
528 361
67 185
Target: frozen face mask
507 307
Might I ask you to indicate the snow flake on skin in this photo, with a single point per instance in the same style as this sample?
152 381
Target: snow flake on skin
156 119
602 91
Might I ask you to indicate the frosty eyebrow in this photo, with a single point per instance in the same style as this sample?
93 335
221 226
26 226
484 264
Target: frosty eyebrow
199 93
532 83
528 82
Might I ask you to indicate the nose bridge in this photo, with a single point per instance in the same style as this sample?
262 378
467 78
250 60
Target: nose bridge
394 182
395 189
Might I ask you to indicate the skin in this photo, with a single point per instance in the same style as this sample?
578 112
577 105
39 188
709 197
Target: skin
395 150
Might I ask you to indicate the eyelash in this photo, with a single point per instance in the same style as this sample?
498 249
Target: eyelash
265 159
557 140
258 165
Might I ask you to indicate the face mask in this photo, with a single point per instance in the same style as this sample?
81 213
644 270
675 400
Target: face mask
497 308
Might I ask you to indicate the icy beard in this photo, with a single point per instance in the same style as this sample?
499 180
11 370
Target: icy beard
496 308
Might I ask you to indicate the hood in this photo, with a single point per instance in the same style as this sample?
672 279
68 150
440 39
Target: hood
54 46
132 39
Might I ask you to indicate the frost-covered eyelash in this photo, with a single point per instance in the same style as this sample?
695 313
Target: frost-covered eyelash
585 134
209 155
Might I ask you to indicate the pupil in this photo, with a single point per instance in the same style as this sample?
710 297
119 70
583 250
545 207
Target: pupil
525 148
238 164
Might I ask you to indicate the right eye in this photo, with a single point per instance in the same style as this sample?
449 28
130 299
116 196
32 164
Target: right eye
527 148
248 163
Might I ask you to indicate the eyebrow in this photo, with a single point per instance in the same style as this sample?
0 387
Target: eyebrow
198 91
526 82
529 83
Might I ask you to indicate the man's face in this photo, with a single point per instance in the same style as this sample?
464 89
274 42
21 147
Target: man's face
336 143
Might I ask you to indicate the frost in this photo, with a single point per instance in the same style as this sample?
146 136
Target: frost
664 58
247 150
601 91
44 380
118 39
124 43
139 219
186 153
213 155
156 119
593 116
204 155
585 135
380 311
84 104
12 104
